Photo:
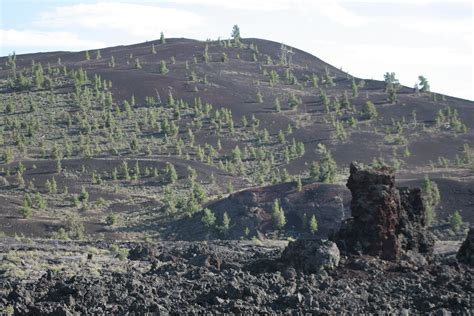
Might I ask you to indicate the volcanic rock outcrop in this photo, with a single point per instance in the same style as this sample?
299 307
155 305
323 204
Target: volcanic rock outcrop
386 221
311 256
466 252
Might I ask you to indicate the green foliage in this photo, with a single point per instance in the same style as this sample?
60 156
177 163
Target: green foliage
235 33
84 196
392 95
432 198
456 221
74 227
208 218
326 169
162 38
26 210
278 215
391 82
313 225
205 55
355 88
424 85
299 184
370 110
328 80
163 69
171 174
120 253
225 222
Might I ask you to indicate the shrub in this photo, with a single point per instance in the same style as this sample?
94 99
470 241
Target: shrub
456 221
278 215
208 218
313 224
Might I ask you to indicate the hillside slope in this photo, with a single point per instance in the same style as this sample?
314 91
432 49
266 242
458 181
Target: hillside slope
96 136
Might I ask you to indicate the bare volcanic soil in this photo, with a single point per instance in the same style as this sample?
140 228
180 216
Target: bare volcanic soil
81 119
222 277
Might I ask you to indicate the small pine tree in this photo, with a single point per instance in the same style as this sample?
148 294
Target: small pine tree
163 69
299 184
125 172
162 38
313 225
370 110
277 105
236 33
171 173
424 86
137 64
84 196
88 57
278 215
432 198
208 219
112 62
225 222
259 97
153 49
456 221
26 210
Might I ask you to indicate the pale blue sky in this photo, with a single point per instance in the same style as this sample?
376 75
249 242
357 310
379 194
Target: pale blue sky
365 37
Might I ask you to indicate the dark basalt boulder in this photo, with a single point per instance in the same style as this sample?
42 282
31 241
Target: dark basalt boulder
311 256
142 253
466 252
386 221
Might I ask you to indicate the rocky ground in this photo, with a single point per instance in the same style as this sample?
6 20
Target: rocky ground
420 273
221 277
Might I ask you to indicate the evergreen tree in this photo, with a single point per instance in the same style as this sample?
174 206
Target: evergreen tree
355 89
299 184
370 110
225 222
162 38
424 86
125 172
278 215
171 174
432 198
236 33
277 105
456 221
84 196
313 225
26 210
391 82
163 69
327 167
208 218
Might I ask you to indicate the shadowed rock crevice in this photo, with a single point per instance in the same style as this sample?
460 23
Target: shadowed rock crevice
386 221
466 252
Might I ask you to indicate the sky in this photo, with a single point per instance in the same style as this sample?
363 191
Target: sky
367 38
